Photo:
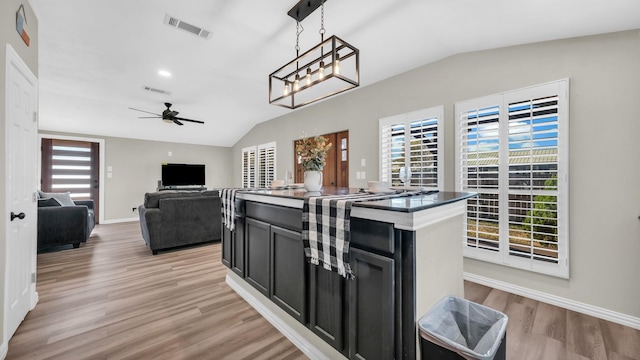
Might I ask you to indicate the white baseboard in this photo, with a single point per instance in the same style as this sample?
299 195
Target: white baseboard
302 343
116 221
4 349
601 313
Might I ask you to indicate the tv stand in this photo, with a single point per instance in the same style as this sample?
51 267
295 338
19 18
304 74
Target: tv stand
186 188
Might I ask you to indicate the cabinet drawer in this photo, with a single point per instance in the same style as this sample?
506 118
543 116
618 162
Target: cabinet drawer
288 218
372 235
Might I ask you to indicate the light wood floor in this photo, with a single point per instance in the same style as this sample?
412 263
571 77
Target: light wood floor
111 299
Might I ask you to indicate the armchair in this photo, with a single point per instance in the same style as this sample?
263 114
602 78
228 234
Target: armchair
63 225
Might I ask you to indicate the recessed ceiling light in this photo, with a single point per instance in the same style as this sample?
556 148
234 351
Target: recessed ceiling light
164 73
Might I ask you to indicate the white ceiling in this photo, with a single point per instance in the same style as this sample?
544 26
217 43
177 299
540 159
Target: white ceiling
96 56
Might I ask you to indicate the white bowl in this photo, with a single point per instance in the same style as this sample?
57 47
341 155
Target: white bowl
378 185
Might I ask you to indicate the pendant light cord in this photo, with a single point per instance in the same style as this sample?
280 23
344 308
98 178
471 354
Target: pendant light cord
322 30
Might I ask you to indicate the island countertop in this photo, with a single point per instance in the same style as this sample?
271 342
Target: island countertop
405 212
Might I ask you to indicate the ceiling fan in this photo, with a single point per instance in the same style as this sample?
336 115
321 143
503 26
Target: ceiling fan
168 115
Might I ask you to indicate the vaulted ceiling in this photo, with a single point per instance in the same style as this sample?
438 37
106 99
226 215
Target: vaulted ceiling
97 56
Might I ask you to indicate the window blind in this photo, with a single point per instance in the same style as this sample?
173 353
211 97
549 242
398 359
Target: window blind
71 168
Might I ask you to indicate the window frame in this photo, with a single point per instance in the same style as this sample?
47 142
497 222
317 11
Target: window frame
502 255
406 119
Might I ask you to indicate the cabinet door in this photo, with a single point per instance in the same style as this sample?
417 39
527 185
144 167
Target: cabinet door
326 306
257 254
288 272
226 246
371 306
237 247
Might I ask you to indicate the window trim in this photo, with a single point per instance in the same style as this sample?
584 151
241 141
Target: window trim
502 256
407 119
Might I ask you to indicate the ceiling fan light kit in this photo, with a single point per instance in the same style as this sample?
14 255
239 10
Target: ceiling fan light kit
327 69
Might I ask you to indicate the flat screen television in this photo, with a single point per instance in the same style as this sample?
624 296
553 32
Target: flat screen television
182 175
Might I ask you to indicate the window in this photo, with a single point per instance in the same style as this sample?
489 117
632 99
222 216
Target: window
258 165
410 141
512 149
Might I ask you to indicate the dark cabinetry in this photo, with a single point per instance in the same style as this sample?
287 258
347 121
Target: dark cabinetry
233 243
288 272
362 318
327 306
371 306
226 245
257 269
274 256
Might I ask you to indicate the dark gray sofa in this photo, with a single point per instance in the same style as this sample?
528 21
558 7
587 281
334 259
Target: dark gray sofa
64 225
170 219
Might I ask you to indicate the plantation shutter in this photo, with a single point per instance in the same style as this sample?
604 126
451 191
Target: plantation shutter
392 149
423 152
479 146
266 164
533 178
411 140
512 149
249 167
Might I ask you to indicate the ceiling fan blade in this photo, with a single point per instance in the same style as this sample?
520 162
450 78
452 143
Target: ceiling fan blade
195 121
148 117
145 111
177 122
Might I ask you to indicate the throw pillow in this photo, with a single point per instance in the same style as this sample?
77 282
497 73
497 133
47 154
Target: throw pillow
48 202
63 198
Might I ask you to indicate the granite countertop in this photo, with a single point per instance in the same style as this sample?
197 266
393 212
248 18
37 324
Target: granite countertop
407 204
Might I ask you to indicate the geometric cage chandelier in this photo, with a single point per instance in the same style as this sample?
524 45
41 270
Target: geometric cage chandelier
327 69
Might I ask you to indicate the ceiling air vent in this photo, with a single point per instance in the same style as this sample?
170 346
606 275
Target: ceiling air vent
171 21
159 91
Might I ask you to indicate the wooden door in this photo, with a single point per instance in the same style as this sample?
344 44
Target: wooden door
336 170
72 166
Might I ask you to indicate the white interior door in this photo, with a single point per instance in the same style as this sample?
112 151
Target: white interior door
21 184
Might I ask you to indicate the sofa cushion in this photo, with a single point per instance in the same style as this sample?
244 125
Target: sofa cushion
63 198
152 200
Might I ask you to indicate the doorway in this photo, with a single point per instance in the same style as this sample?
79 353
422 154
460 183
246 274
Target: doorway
71 166
336 170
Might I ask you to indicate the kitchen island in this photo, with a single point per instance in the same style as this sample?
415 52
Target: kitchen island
405 253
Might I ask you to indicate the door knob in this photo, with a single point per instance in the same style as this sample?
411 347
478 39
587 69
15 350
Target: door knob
19 216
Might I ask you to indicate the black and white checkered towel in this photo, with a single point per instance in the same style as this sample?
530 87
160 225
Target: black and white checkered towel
326 224
228 200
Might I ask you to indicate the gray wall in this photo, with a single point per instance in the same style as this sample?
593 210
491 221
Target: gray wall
136 169
604 73
9 35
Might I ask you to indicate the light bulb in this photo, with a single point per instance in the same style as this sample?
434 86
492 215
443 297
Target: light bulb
308 76
337 64
321 71
296 84
286 88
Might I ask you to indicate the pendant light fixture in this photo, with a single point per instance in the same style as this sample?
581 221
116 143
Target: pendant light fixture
327 69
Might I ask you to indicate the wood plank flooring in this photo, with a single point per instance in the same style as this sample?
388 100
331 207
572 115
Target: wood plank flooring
111 299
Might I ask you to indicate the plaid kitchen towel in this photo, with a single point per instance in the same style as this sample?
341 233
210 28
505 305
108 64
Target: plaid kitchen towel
228 200
326 228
